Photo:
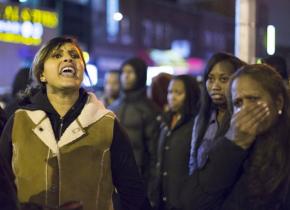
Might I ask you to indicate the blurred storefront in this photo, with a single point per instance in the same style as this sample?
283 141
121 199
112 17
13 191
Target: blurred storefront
157 31
22 31
184 33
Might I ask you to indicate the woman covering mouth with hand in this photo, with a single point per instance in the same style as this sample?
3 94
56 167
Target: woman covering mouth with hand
249 167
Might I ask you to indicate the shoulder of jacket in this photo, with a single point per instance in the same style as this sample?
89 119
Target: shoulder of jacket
93 111
35 115
111 115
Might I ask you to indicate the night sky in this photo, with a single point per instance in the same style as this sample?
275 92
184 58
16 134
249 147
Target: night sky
279 16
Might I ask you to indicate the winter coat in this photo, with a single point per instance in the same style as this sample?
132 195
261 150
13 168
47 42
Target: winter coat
221 183
8 198
82 156
198 158
171 168
137 114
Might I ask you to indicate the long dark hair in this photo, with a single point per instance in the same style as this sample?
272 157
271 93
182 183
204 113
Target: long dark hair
192 95
269 167
206 103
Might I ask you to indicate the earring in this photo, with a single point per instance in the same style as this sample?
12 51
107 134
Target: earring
42 79
280 112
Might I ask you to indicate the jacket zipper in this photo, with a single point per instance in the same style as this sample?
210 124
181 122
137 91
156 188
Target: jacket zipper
59 162
60 129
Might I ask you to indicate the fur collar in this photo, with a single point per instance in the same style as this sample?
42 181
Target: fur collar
93 111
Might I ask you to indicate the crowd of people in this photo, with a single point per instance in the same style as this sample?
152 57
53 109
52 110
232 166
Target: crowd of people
222 144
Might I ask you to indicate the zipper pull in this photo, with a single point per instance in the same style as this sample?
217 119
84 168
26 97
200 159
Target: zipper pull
60 128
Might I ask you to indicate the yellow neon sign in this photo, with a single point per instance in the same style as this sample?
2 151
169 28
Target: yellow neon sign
17 14
22 25
11 13
19 39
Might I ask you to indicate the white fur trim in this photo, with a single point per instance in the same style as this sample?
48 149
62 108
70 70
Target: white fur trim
45 133
93 111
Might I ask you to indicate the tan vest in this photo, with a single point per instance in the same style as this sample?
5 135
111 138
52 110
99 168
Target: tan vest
76 168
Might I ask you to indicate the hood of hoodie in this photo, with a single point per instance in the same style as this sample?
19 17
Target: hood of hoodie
40 101
56 132
94 109
140 68
133 96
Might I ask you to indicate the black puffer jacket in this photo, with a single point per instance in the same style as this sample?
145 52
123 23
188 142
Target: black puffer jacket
138 115
222 183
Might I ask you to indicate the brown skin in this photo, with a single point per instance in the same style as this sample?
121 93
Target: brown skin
128 77
218 81
255 111
63 91
176 97
112 85
217 84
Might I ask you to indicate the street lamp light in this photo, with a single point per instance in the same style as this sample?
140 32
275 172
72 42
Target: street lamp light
117 16
271 34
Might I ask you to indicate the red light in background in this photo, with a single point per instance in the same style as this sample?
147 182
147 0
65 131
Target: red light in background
195 65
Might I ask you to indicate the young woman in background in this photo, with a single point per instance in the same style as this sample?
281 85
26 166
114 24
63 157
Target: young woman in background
174 142
249 167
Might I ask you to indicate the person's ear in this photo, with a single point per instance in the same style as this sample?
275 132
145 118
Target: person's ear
42 78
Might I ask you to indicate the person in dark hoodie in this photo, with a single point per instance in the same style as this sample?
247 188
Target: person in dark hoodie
137 114
64 145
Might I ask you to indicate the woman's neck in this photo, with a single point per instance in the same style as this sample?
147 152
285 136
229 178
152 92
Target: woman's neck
221 113
62 101
174 120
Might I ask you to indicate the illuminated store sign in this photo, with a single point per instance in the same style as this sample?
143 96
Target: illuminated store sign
22 25
181 65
